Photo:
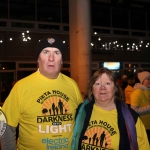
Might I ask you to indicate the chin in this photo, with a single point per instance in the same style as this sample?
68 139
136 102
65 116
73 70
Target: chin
102 100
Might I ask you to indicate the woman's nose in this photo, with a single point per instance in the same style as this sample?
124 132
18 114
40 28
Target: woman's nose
102 86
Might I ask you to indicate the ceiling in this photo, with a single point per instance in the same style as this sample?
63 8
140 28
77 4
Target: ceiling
148 1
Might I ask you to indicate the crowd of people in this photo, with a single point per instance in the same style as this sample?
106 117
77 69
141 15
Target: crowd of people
46 109
137 96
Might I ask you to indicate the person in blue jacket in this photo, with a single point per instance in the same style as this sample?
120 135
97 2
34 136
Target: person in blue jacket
104 121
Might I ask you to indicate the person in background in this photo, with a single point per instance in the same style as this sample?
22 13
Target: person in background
124 82
140 99
128 90
104 121
119 81
136 79
33 103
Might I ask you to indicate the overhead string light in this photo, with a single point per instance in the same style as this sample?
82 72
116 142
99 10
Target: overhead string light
115 45
25 36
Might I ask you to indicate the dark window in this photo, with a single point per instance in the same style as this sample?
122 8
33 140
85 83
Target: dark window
65 11
66 28
120 32
145 65
138 20
130 73
66 72
106 31
22 10
148 20
66 65
7 65
131 65
25 65
48 11
138 34
101 16
4 9
3 24
120 18
22 25
48 27
6 82
22 74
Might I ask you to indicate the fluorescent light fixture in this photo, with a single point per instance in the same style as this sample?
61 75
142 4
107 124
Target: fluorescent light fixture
112 65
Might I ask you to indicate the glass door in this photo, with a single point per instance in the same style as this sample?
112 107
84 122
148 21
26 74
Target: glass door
7 80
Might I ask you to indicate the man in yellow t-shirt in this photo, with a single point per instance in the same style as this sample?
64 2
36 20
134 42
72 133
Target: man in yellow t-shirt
43 104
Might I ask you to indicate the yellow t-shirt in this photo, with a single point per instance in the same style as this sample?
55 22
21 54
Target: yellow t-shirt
45 110
128 90
103 133
140 98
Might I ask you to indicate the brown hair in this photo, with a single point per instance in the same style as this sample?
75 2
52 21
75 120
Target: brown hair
118 91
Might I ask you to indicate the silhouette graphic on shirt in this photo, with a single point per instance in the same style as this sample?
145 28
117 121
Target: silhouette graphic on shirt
56 110
60 106
53 108
102 138
96 140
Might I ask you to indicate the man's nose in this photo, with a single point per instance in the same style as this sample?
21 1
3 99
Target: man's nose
51 57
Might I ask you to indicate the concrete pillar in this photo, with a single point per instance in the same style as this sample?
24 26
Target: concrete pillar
80 39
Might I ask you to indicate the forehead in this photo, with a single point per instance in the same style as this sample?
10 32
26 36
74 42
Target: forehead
104 75
149 76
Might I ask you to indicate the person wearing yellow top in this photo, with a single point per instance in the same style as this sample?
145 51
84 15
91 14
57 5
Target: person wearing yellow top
43 104
140 99
104 121
127 91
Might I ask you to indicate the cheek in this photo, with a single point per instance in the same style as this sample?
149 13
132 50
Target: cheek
112 91
41 62
95 91
59 61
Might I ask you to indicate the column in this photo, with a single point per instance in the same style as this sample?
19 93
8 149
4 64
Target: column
80 39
